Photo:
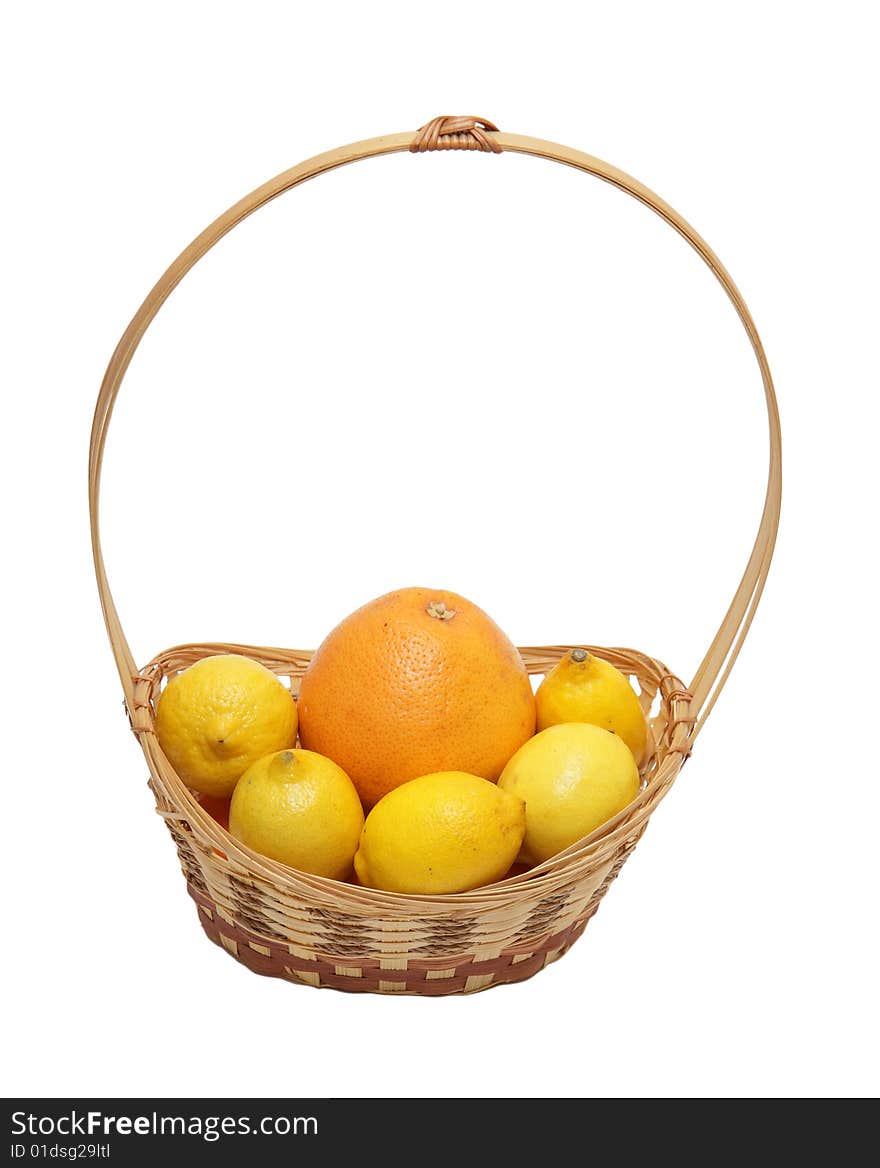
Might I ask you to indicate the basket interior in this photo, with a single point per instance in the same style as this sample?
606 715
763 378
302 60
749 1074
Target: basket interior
661 696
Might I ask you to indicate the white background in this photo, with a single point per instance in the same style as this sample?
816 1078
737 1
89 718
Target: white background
488 374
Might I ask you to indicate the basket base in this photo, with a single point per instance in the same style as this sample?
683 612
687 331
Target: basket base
423 978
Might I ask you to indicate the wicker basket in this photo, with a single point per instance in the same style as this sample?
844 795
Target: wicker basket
322 932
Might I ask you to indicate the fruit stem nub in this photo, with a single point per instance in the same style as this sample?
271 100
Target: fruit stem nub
580 655
439 611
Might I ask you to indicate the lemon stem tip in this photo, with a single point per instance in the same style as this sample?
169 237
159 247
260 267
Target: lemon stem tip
580 655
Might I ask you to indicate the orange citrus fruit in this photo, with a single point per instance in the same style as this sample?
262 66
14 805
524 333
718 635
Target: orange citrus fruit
584 688
418 681
440 833
572 777
220 715
300 809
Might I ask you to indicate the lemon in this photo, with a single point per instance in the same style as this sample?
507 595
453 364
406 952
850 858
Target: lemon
584 688
573 777
445 832
300 808
220 715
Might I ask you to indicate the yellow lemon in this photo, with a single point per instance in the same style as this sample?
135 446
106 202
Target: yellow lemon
440 833
584 688
573 777
300 808
220 715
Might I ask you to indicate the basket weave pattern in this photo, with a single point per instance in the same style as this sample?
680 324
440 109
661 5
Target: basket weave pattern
320 932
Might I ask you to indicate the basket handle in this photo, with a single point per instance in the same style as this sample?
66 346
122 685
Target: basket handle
458 133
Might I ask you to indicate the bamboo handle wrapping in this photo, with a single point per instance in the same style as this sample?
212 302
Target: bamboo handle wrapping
471 134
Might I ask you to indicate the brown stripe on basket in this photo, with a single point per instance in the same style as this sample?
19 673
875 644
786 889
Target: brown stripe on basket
187 857
446 938
426 976
545 912
248 906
